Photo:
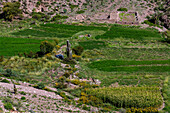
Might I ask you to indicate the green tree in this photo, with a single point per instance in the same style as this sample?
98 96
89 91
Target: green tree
46 47
10 10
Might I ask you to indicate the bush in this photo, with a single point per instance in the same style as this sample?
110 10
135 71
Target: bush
1 110
5 81
56 40
86 108
37 16
46 47
78 50
66 74
22 93
39 86
40 16
58 17
68 61
23 98
9 73
142 110
1 58
80 12
167 34
8 106
122 9
76 57
76 82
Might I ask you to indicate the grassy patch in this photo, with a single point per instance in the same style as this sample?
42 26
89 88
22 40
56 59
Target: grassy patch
93 34
135 53
11 46
132 66
130 33
92 44
56 30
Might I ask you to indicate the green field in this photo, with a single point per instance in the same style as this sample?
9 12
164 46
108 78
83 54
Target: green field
13 46
131 63
130 33
132 66
92 44
56 30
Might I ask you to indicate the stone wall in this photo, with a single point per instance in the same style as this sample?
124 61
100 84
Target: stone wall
113 17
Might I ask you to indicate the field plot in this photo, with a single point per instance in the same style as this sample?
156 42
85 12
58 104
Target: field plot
135 53
92 44
130 33
132 66
127 97
11 46
56 30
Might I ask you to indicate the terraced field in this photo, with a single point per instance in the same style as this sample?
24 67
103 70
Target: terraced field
132 66
124 66
55 30
13 46
136 33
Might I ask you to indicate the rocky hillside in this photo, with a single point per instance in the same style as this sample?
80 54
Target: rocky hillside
97 10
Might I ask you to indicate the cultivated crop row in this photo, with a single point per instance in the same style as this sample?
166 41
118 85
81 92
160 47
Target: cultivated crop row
139 97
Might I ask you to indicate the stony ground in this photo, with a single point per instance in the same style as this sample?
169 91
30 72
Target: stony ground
36 100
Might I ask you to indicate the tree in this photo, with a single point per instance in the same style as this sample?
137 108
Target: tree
46 47
10 10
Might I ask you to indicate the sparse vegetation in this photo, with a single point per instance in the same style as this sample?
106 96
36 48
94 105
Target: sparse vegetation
111 67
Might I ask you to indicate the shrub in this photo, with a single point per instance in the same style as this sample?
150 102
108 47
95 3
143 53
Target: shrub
74 69
46 47
78 50
8 106
105 109
37 16
23 98
142 110
167 34
56 40
122 9
57 47
40 16
60 85
86 108
80 12
58 17
76 57
68 61
66 74
1 58
62 79
76 82
9 73
5 81
22 93
1 110
39 85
